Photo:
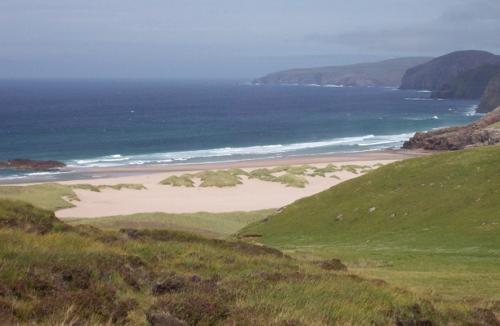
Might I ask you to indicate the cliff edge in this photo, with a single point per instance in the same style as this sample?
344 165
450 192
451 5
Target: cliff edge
486 131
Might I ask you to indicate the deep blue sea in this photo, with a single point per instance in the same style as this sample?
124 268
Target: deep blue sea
100 123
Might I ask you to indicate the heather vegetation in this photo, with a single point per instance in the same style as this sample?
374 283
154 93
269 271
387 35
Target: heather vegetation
53 273
495 125
415 242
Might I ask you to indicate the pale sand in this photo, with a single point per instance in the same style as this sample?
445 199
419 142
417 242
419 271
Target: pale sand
251 195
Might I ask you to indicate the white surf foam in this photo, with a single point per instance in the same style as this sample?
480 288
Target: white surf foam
418 99
471 110
334 86
228 152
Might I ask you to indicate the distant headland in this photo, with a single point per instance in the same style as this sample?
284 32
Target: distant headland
470 74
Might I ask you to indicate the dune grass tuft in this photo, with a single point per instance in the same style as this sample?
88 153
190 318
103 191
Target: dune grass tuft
120 186
292 180
219 178
291 176
321 172
98 188
185 180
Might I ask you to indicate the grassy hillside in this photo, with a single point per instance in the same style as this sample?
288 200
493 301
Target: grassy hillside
49 195
52 273
54 196
431 224
215 225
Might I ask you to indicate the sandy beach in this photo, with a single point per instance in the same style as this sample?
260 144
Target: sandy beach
252 194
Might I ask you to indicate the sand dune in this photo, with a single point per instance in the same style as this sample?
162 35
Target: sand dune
252 194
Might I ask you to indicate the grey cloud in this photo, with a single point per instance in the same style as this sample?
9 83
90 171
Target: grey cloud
476 10
464 25
227 38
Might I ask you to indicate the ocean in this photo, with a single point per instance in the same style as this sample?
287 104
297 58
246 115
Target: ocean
105 123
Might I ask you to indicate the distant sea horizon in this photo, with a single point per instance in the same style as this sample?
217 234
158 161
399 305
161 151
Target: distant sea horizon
106 123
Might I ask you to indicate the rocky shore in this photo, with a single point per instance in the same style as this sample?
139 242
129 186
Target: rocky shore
26 164
482 132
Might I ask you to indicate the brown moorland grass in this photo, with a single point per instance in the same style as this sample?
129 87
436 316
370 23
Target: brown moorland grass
215 225
63 274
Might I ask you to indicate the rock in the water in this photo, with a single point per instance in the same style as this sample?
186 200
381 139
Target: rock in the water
460 137
26 164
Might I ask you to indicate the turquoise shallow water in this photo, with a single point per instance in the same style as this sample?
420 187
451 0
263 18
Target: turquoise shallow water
104 123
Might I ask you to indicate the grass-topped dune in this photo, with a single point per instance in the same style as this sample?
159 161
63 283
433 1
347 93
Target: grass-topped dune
55 196
54 274
288 175
430 223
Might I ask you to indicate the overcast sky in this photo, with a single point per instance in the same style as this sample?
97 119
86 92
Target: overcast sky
230 38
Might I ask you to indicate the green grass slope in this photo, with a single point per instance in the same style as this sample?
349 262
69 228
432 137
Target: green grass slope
55 196
432 223
215 225
48 195
63 275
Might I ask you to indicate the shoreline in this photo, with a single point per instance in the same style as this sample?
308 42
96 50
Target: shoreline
147 194
90 173
251 194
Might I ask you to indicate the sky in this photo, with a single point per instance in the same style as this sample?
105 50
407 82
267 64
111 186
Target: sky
230 38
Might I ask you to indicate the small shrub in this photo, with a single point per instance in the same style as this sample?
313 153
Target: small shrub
263 175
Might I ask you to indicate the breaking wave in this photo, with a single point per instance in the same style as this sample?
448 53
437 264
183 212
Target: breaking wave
366 142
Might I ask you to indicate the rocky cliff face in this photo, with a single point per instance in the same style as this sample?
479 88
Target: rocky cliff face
491 97
479 133
384 73
436 73
470 84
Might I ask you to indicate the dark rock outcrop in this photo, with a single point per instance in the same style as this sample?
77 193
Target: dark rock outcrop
436 73
491 97
25 164
383 73
332 265
454 138
470 84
